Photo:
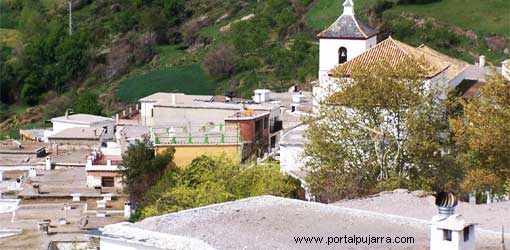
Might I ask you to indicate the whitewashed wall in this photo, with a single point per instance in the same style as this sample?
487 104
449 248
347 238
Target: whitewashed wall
328 50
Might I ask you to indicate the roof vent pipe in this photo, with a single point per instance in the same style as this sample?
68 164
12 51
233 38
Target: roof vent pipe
446 202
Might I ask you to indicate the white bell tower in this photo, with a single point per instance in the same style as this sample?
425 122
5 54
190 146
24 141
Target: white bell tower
346 38
343 40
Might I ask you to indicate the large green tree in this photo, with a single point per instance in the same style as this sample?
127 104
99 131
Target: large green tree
483 130
88 103
382 130
142 168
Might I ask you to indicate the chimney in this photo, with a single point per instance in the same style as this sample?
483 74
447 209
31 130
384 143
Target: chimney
173 99
89 161
481 61
48 163
446 202
127 209
449 230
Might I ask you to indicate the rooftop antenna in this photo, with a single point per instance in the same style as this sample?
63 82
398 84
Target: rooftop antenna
70 18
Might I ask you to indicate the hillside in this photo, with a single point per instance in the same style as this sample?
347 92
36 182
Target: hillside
123 50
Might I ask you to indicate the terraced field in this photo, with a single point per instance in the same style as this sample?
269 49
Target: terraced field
189 79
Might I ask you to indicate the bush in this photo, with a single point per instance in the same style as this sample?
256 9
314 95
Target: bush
212 180
220 61
88 103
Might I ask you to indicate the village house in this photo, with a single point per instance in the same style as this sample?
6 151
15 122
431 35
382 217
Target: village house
258 123
104 169
193 141
80 129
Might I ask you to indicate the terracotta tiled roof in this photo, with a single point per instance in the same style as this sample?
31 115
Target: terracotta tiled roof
457 66
348 26
395 52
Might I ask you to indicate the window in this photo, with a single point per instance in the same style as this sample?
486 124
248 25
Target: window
447 235
152 112
107 181
466 233
342 55
105 129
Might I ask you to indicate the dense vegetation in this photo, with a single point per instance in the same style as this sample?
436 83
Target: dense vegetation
378 141
213 180
123 50
157 186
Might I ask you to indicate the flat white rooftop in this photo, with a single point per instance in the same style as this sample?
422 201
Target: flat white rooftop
84 119
268 222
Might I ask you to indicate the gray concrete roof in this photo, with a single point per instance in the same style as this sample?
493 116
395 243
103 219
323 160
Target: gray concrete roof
77 133
85 119
268 222
295 137
420 205
348 26
180 98
284 99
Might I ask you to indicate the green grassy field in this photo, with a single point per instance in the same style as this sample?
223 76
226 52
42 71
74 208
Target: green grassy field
325 12
484 17
189 79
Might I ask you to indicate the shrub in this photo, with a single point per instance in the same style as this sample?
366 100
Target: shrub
220 61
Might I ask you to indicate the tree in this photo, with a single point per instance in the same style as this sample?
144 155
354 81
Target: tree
484 133
142 168
220 61
381 130
212 180
88 103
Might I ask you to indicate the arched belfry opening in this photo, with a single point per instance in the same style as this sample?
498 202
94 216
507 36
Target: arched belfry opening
342 55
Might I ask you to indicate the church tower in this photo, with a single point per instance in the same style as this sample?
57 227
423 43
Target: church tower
346 38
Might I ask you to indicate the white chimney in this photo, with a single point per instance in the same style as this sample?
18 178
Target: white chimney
449 231
1 176
127 209
48 163
261 95
173 99
481 61
298 98
32 172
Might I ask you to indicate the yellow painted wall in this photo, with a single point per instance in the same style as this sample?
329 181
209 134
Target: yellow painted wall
184 154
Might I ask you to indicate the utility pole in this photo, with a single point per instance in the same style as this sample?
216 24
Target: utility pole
70 18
